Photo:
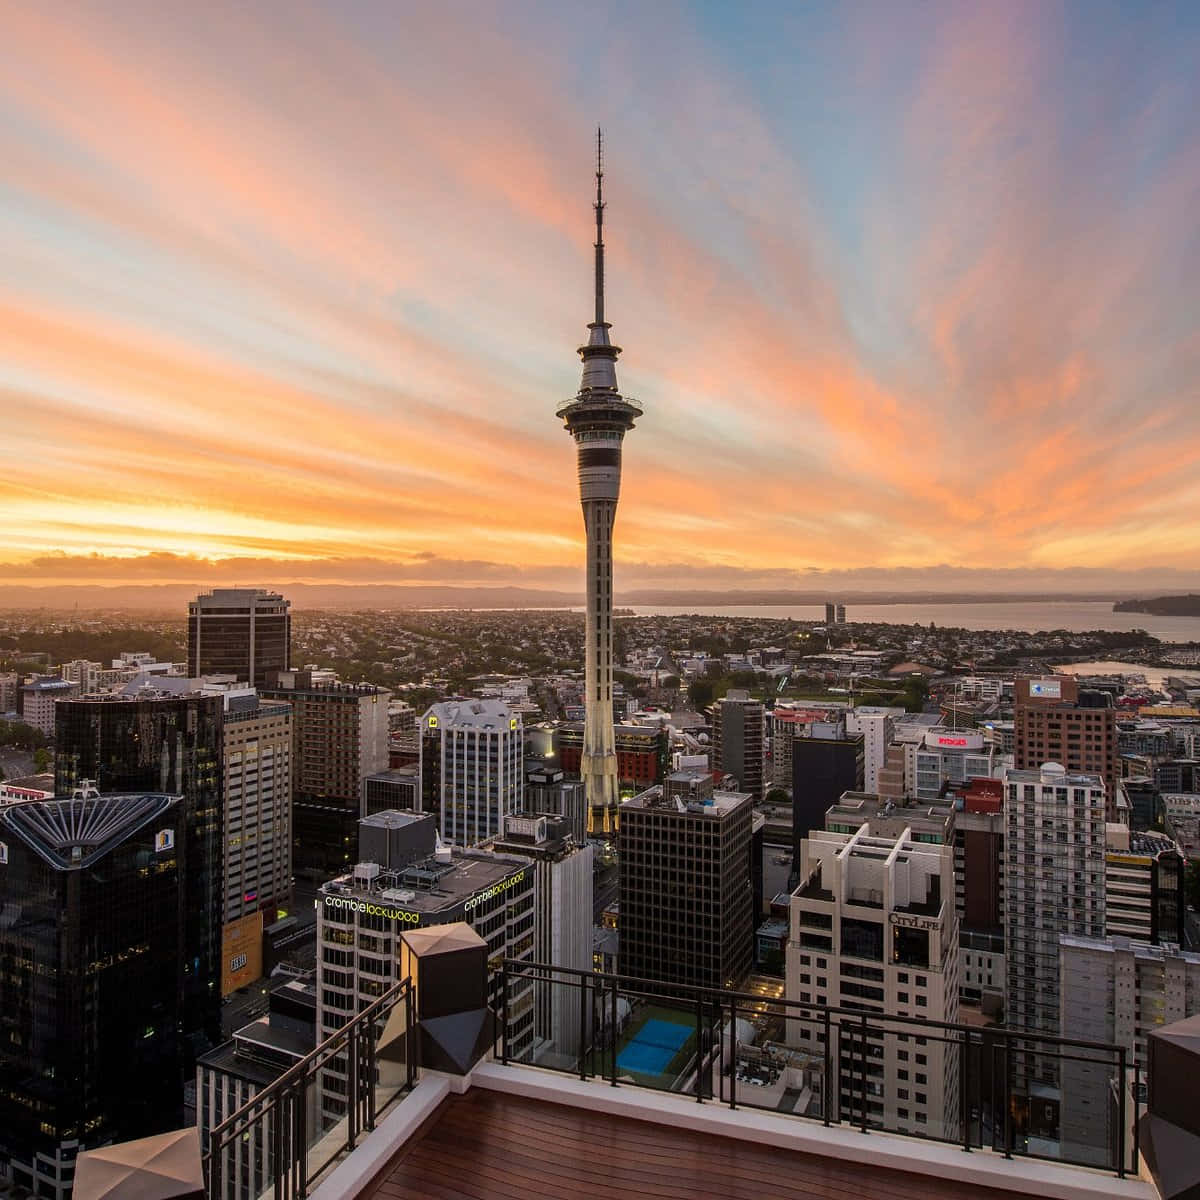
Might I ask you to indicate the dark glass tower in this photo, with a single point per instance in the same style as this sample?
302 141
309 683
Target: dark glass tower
245 632
153 742
598 419
92 892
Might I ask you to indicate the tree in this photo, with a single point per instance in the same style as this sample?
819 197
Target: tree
669 683
41 760
777 795
700 693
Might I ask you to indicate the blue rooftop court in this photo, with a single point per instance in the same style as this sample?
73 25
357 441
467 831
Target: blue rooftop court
653 1047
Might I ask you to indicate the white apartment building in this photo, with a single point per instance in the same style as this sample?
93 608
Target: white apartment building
472 767
873 928
1053 885
876 723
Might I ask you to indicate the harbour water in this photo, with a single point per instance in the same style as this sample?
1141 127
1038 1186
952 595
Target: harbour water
1077 616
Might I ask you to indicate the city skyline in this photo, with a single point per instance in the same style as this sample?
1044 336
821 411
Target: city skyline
287 292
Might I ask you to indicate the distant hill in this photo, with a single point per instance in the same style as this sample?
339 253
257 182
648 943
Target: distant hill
1162 606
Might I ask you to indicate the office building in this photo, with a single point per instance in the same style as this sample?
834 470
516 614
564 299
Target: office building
1114 990
547 789
830 614
873 928
841 614
979 894
562 926
339 736
1143 887
40 696
739 741
153 741
598 419
949 758
407 879
396 789
1178 776
92 951
824 765
472 768
233 1073
686 901
10 686
876 724
1053 885
1183 820
257 860
243 632
1056 721
642 753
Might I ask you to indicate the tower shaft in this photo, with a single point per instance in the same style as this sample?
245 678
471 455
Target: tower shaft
598 418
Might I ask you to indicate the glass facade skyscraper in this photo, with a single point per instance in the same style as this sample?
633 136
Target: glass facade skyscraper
245 632
92 896
172 744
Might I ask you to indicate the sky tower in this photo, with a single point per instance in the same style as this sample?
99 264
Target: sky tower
597 418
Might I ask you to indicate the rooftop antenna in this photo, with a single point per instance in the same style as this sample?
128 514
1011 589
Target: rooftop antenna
599 226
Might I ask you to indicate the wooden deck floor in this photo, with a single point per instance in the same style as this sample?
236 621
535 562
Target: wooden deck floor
486 1145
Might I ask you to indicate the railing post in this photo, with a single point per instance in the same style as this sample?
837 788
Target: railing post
612 1030
831 1086
699 1050
216 1166
299 1152
352 1086
583 1040
1123 1084
1137 1130
411 1041
862 1049
733 1055
504 1013
1007 1096
369 1063
278 1124
964 1079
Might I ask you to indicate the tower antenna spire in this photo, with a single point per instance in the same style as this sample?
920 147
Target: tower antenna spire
599 226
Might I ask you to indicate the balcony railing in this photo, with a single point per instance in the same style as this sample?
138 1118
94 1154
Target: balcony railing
1010 1091
279 1142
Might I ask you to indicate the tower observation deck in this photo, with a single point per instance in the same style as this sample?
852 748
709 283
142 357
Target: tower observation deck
598 418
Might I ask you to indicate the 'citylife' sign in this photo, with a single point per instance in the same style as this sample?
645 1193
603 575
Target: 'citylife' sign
907 922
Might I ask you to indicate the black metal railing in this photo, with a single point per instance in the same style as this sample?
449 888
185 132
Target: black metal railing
1011 1091
279 1142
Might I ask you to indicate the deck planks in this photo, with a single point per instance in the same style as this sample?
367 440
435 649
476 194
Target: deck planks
486 1145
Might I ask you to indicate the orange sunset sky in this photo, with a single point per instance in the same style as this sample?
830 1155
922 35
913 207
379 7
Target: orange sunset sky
292 290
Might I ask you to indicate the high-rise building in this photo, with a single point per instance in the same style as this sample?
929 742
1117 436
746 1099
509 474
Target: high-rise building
598 418
873 928
406 880
40 696
1178 776
562 926
244 632
547 789
824 765
92 953
396 789
257 870
952 757
1144 895
10 686
686 900
830 613
875 723
1053 885
339 736
1114 990
1057 722
152 741
472 768
738 740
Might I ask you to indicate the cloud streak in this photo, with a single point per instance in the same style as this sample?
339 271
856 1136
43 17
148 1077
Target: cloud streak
303 281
